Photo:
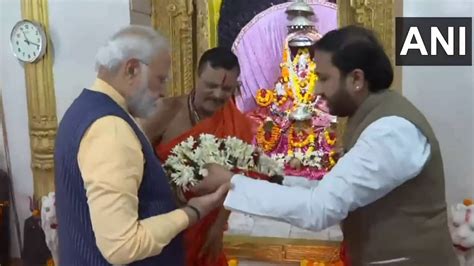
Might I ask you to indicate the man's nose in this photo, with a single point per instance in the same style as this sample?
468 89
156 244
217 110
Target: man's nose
162 90
158 93
220 94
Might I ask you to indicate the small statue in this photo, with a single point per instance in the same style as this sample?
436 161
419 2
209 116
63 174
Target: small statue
462 231
302 63
49 224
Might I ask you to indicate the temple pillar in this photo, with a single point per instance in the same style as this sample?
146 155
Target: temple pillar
41 104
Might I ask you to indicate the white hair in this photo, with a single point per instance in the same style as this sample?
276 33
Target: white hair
133 41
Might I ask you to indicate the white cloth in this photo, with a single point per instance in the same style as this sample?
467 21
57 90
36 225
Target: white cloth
299 181
389 152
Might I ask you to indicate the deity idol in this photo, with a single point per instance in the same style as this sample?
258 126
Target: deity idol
292 123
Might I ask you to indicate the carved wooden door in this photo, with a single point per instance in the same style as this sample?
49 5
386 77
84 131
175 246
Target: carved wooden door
175 19
190 28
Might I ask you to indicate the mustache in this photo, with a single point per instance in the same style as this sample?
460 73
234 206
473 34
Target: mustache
217 100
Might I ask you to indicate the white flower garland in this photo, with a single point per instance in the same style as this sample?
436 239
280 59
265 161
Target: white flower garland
308 159
185 163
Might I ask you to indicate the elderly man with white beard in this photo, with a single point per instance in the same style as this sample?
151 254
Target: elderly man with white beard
114 204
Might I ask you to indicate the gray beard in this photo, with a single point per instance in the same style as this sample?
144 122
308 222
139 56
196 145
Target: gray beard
140 105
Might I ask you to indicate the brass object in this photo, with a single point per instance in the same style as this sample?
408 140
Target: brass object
41 105
280 249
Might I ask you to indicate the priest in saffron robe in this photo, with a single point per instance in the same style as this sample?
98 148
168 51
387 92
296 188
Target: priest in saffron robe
209 108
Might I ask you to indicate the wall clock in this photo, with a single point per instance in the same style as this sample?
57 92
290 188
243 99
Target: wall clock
28 41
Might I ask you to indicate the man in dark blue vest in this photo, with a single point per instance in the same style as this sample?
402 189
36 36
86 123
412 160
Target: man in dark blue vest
114 203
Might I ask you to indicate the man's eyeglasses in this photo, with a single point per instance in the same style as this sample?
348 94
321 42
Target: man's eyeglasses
161 78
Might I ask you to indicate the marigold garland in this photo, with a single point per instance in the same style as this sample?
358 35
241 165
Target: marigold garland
308 96
285 54
332 160
330 140
282 100
300 144
285 73
268 145
288 90
264 97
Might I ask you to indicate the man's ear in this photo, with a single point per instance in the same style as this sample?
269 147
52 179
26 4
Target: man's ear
131 67
131 71
358 79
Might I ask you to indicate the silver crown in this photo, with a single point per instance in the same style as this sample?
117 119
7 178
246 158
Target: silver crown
299 14
299 7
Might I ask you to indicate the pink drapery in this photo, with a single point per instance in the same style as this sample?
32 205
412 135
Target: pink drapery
259 47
